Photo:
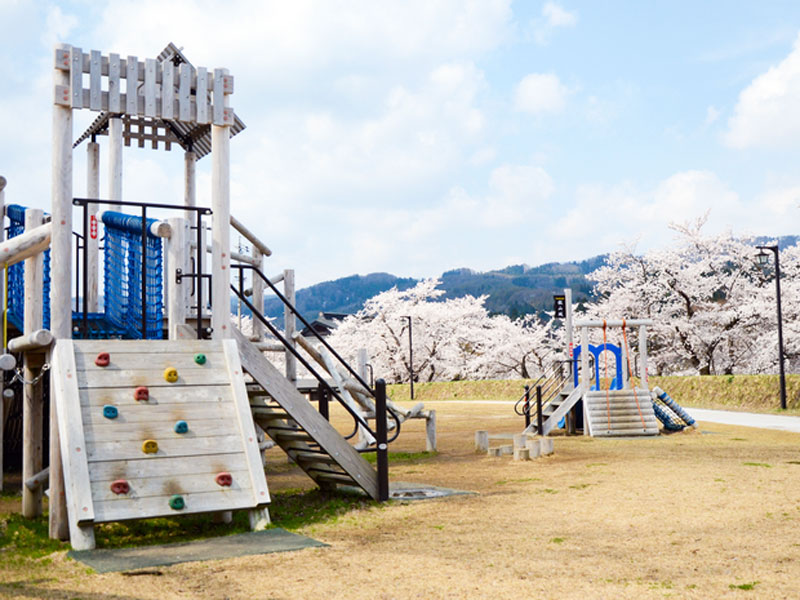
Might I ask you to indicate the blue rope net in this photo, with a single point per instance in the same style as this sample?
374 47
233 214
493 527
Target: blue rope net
16 275
123 277
123 281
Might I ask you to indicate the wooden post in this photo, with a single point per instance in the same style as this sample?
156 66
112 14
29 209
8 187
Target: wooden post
115 158
362 361
177 255
91 243
644 384
430 431
190 183
60 282
32 396
2 396
220 206
289 324
568 330
258 293
585 380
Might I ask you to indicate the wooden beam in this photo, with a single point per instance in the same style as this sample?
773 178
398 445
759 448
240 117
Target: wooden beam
92 240
177 258
26 245
250 236
40 339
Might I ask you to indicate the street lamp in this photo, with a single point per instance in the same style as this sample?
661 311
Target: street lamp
763 259
410 357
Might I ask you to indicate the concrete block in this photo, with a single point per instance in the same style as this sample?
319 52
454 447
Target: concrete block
507 450
520 439
546 445
495 451
534 448
481 441
522 454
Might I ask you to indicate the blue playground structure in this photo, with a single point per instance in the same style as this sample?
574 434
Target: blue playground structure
122 270
617 382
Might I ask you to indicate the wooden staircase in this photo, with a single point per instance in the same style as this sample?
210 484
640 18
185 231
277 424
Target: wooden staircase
625 412
293 423
556 409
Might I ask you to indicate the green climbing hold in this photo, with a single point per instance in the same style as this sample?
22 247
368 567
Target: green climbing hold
177 502
200 358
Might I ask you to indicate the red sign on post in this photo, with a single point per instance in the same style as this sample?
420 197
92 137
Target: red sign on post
93 227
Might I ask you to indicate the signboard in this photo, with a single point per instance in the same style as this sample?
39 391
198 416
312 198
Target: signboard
560 307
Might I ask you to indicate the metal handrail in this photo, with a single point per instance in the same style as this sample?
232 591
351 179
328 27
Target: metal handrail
358 418
291 307
547 375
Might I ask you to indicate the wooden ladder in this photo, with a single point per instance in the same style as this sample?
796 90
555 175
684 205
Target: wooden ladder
293 423
625 412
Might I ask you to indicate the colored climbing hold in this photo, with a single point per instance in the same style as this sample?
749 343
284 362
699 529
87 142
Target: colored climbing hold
141 394
110 412
177 502
150 447
181 427
171 374
120 486
102 359
200 358
224 479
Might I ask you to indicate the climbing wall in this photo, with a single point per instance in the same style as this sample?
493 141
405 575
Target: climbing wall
154 428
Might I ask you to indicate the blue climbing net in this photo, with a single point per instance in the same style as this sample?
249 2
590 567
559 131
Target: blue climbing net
123 277
123 280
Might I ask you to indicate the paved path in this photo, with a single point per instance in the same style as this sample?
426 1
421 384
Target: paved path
763 421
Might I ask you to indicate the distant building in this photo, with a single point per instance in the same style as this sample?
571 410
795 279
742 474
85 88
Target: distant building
324 324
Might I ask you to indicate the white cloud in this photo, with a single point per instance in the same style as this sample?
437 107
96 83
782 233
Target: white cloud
554 16
712 114
539 93
766 114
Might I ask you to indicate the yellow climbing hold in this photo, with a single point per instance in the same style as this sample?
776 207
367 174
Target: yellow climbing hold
171 374
150 447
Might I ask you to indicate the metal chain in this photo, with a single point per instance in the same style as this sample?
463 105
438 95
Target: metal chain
19 377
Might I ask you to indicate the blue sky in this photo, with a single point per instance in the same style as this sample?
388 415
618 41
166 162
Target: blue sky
414 137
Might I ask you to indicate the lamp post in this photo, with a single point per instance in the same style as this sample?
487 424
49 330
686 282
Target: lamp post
763 258
410 357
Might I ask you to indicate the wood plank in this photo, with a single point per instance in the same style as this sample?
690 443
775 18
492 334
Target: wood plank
159 507
114 97
245 422
108 430
135 361
167 395
164 487
74 452
132 86
132 378
167 466
285 394
190 346
76 77
223 414
219 97
168 90
150 70
166 448
184 93
94 80
201 97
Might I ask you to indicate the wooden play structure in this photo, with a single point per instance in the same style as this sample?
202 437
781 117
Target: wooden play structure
142 426
574 391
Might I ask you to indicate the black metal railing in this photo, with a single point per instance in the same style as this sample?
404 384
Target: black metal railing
331 391
143 206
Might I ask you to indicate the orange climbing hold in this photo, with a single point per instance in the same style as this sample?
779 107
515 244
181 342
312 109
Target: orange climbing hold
120 486
224 479
102 359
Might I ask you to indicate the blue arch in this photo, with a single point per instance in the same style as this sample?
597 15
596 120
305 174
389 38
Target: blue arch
616 383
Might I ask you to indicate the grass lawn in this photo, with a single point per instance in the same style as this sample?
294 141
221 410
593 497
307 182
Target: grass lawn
710 514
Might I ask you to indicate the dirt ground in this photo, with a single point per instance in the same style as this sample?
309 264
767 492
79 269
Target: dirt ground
701 515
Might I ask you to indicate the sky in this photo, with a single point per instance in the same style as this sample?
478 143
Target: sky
420 136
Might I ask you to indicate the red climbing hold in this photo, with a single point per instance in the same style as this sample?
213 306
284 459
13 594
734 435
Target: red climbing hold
102 359
224 479
141 393
120 486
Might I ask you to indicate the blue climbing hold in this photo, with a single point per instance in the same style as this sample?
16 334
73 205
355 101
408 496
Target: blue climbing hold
181 427
110 412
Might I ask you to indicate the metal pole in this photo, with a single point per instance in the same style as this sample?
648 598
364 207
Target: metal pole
380 441
539 419
780 328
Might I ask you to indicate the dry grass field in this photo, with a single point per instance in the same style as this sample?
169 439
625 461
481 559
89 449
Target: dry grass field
710 514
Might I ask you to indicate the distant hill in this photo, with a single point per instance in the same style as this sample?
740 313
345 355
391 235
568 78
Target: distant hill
516 290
